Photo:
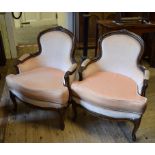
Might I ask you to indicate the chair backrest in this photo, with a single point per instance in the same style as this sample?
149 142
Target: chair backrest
120 52
56 48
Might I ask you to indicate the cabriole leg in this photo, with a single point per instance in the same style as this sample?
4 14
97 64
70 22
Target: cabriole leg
136 126
13 98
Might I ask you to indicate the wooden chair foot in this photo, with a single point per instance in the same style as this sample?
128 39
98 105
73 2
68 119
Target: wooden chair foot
13 98
62 126
136 126
134 138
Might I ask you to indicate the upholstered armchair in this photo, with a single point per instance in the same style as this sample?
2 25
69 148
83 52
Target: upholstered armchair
113 84
44 78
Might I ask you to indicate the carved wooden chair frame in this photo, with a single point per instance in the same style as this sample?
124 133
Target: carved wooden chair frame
25 57
87 62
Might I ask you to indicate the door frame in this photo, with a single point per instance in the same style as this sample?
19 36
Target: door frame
11 34
4 34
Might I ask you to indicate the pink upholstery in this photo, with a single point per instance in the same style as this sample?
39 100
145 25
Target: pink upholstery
42 84
110 91
119 54
91 70
41 78
30 64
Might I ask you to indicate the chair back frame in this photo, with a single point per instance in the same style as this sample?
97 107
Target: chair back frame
58 28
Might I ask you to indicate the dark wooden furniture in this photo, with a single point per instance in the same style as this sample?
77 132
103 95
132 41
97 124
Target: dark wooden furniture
86 17
104 26
77 100
85 26
124 17
2 53
67 80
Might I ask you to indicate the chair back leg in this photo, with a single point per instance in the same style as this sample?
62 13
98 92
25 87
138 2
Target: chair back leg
74 108
61 115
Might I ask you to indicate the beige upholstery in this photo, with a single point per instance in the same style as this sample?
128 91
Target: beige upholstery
41 78
42 84
110 91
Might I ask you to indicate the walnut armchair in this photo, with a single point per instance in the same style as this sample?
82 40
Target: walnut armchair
44 78
113 84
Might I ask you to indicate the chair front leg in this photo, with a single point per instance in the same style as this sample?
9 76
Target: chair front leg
136 123
61 115
13 98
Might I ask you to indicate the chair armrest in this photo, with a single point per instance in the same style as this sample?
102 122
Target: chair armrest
72 69
146 73
83 66
85 63
87 68
24 57
28 62
70 75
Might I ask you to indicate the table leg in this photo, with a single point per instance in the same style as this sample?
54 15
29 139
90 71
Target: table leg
97 33
85 35
152 54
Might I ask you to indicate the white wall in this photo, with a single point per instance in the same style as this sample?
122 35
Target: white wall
65 19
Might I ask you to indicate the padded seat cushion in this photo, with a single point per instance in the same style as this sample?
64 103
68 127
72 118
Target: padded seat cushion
110 90
43 84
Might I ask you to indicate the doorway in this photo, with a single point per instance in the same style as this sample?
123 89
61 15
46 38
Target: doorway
27 28
23 32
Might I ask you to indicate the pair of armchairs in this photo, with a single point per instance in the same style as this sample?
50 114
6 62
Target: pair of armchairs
111 85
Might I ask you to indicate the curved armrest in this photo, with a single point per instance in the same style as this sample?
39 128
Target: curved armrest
24 57
83 66
146 73
72 69
70 75
28 63
85 63
87 68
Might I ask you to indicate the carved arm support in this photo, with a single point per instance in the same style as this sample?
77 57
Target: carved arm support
87 68
70 75
146 73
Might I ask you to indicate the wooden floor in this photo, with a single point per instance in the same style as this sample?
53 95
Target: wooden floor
33 125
